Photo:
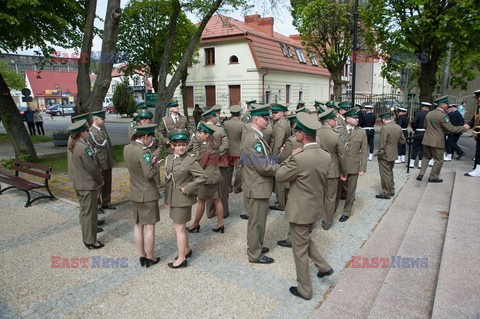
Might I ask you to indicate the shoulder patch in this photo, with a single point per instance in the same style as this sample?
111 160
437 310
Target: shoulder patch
258 147
132 124
89 151
446 119
147 158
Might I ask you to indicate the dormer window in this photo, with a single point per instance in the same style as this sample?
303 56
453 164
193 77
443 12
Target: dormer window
300 56
290 51
284 49
312 59
233 59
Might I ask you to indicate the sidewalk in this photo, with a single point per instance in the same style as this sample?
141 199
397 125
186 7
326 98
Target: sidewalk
218 282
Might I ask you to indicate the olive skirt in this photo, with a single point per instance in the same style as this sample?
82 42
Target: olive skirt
181 215
146 213
209 191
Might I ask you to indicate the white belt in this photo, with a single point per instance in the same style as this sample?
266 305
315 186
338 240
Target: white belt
404 129
368 128
420 130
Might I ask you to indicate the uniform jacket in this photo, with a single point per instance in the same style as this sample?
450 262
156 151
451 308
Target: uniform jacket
329 141
258 169
307 173
167 124
186 173
418 122
234 127
369 120
103 146
86 173
402 121
390 136
138 159
281 131
70 170
221 136
456 118
356 149
267 133
209 161
340 122
290 145
437 124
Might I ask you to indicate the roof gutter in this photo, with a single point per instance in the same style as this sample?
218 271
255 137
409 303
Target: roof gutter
263 85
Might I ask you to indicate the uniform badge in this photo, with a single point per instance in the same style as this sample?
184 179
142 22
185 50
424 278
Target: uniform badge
258 147
147 158
132 124
89 152
446 119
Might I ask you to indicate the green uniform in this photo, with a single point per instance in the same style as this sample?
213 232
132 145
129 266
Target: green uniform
234 127
100 140
391 136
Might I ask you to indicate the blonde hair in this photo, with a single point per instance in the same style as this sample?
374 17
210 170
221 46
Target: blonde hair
73 140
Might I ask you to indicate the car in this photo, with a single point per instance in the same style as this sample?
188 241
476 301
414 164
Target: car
60 109
22 110
111 109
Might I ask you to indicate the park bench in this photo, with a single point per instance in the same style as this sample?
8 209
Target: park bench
23 183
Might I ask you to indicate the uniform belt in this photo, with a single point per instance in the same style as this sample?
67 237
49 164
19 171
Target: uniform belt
404 129
420 130
368 128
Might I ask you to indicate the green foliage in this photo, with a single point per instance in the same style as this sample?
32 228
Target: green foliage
13 80
123 100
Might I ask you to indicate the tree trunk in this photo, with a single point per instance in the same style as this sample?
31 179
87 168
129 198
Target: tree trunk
83 77
154 70
337 85
166 94
13 123
428 76
184 93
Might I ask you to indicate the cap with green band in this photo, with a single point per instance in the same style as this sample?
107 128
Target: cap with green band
351 113
202 127
146 129
144 114
385 115
99 114
443 99
252 102
307 123
263 110
344 105
78 126
328 114
141 106
172 104
84 116
235 109
178 135
278 108
210 112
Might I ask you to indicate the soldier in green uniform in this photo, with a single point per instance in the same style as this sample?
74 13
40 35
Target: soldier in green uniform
331 142
103 146
170 122
343 107
391 136
197 114
140 106
306 170
246 118
183 178
356 154
234 126
437 124
144 194
87 179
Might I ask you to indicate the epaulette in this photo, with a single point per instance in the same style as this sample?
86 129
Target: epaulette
299 152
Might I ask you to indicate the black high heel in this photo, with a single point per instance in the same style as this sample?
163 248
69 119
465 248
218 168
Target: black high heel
219 229
142 261
150 262
193 230
187 255
92 246
183 264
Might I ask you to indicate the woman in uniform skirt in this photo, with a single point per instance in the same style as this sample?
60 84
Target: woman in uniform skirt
208 154
86 179
144 194
183 176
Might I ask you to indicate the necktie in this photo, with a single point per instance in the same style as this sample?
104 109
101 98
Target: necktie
350 131
174 119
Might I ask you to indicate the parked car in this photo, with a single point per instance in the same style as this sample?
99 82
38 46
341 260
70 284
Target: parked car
22 110
111 109
60 109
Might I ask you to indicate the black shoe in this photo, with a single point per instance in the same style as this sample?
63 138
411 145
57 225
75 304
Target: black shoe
194 230
263 260
142 261
219 229
150 262
323 274
435 180
284 243
100 211
343 197
99 230
244 216
187 255
93 246
274 208
294 291
265 250
237 191
100 222
109 206
461 156
183 264
382 196
419 178
343 218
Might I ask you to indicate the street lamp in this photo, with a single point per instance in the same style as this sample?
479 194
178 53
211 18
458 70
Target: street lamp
355 31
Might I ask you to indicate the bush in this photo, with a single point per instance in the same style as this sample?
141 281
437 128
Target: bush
123 100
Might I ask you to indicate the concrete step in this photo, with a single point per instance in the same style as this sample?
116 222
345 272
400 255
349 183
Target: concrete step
457 294
355 294
408 292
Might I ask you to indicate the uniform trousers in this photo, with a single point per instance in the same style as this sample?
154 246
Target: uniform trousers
350 188
303 247
437 154
329 201
452 146
370 140
88 215
417 147
257 209
223 191
386 177
477 153
104 196
281 195
402 148
235 169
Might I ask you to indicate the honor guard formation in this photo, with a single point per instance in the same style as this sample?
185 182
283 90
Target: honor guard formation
309 159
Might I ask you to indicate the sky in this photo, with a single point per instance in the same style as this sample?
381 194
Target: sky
282 22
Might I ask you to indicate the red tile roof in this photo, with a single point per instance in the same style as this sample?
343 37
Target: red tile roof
46 80
265 47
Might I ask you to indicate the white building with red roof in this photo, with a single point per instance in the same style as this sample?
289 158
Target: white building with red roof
247 60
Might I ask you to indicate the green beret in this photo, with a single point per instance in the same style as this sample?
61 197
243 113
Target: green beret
140 105
307 123
351 113
99 114
443 99
210 112
84 116
78 126
261 110
385 115
172 104
202 127
178 134
344 105
328 114
144 114
252 102
146 129
278 108
235 109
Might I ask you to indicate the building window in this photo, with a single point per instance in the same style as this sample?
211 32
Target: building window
136 81
284 49
290 51
300 56
233 59
268 97
300 95
287 94
209 56
312 59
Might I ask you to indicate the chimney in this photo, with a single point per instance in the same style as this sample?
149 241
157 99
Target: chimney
295 37
264 25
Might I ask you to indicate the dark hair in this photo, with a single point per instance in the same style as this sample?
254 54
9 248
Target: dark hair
73 140
310 136
137 135
212 142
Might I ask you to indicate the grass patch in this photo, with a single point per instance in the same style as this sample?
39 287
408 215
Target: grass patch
5 139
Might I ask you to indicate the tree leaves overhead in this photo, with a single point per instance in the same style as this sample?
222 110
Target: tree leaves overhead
13 79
